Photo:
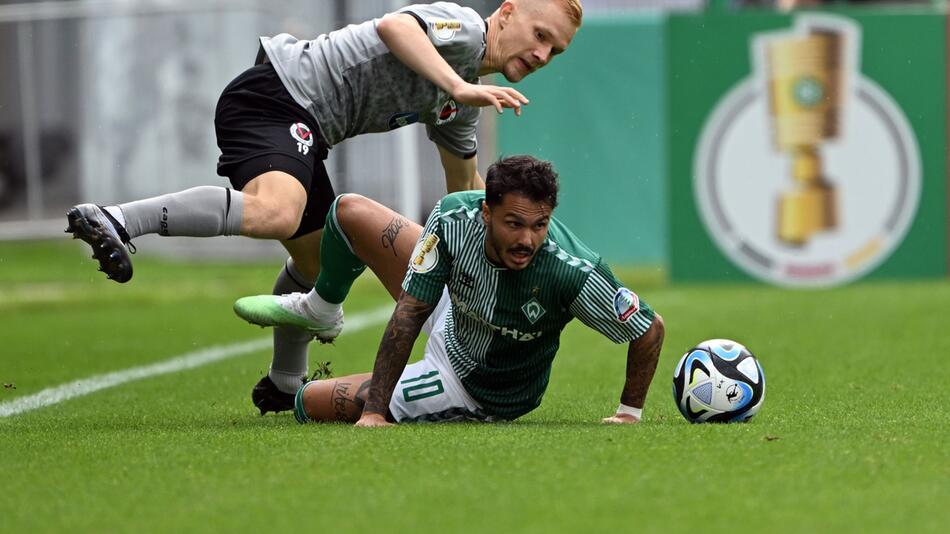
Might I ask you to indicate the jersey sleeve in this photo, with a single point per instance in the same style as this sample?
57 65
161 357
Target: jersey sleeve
605 305
429 264
453 29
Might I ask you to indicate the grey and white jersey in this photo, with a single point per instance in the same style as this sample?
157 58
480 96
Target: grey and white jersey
352 84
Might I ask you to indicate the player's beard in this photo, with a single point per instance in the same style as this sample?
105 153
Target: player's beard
500 249
493 249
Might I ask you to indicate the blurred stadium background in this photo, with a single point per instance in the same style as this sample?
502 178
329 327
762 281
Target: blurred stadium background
112 100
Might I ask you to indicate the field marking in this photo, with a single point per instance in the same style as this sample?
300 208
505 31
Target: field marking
190 360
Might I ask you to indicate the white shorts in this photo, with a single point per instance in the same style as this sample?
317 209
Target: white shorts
429 390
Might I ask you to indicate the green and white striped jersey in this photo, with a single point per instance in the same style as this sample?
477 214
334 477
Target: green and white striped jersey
503 327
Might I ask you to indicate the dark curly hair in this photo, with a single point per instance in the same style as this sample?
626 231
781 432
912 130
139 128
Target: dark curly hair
524 175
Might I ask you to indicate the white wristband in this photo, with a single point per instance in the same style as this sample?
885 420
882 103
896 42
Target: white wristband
630 410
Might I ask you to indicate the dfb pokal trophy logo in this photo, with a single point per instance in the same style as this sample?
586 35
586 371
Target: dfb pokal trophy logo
807 173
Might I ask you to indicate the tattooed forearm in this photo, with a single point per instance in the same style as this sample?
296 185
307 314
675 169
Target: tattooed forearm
362 394
388 238
642 356
401 332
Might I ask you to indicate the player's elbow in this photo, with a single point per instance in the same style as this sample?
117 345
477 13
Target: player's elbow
658 327
658 323
385 26
654 335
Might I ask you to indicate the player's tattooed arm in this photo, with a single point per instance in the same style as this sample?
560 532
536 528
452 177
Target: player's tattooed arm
642 356
401 333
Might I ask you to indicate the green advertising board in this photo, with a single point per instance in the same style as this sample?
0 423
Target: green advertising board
808 149
597 112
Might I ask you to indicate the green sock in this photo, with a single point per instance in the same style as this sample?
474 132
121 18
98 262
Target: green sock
339 267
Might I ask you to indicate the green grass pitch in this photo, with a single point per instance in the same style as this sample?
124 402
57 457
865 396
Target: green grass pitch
852 436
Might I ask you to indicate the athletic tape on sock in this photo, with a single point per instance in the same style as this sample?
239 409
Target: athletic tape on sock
630 410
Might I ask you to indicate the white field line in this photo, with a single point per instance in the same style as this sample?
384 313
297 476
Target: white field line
191 360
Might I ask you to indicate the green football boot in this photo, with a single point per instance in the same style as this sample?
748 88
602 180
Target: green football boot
289 310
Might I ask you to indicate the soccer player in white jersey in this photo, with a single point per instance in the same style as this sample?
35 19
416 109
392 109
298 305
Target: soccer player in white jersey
493 279
276 122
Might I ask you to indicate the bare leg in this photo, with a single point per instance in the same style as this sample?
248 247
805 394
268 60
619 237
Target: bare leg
305 250
273 206
269 206
336 399
380 237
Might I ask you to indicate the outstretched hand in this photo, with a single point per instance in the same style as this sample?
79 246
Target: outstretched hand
621 419
489 95
372 420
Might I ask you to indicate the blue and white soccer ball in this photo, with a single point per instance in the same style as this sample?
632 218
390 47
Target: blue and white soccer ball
718 380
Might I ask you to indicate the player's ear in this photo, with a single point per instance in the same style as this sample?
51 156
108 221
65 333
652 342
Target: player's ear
505 11
486 213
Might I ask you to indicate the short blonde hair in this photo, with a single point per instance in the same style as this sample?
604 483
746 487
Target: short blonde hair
574 10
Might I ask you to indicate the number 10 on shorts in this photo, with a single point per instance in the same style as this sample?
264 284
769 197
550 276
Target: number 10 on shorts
423 386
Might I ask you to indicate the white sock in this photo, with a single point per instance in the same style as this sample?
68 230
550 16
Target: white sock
319 307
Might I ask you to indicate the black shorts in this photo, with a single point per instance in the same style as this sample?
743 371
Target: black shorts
261 128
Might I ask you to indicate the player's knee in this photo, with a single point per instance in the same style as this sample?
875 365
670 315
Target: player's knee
350 208
282 216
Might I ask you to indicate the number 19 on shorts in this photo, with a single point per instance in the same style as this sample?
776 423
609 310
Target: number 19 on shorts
303 135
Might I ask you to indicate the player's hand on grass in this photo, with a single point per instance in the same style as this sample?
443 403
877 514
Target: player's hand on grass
372 420
621 419
489 95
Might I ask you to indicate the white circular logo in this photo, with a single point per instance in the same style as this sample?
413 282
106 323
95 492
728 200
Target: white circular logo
302 133
740 180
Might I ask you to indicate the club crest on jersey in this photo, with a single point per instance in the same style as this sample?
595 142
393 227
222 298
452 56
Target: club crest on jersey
447 112
403 119
626 303
444 29
426 255
533 310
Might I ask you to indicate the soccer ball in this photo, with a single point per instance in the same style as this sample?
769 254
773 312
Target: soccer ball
718 380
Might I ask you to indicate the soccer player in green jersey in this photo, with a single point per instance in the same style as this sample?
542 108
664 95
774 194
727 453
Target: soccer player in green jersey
493 279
